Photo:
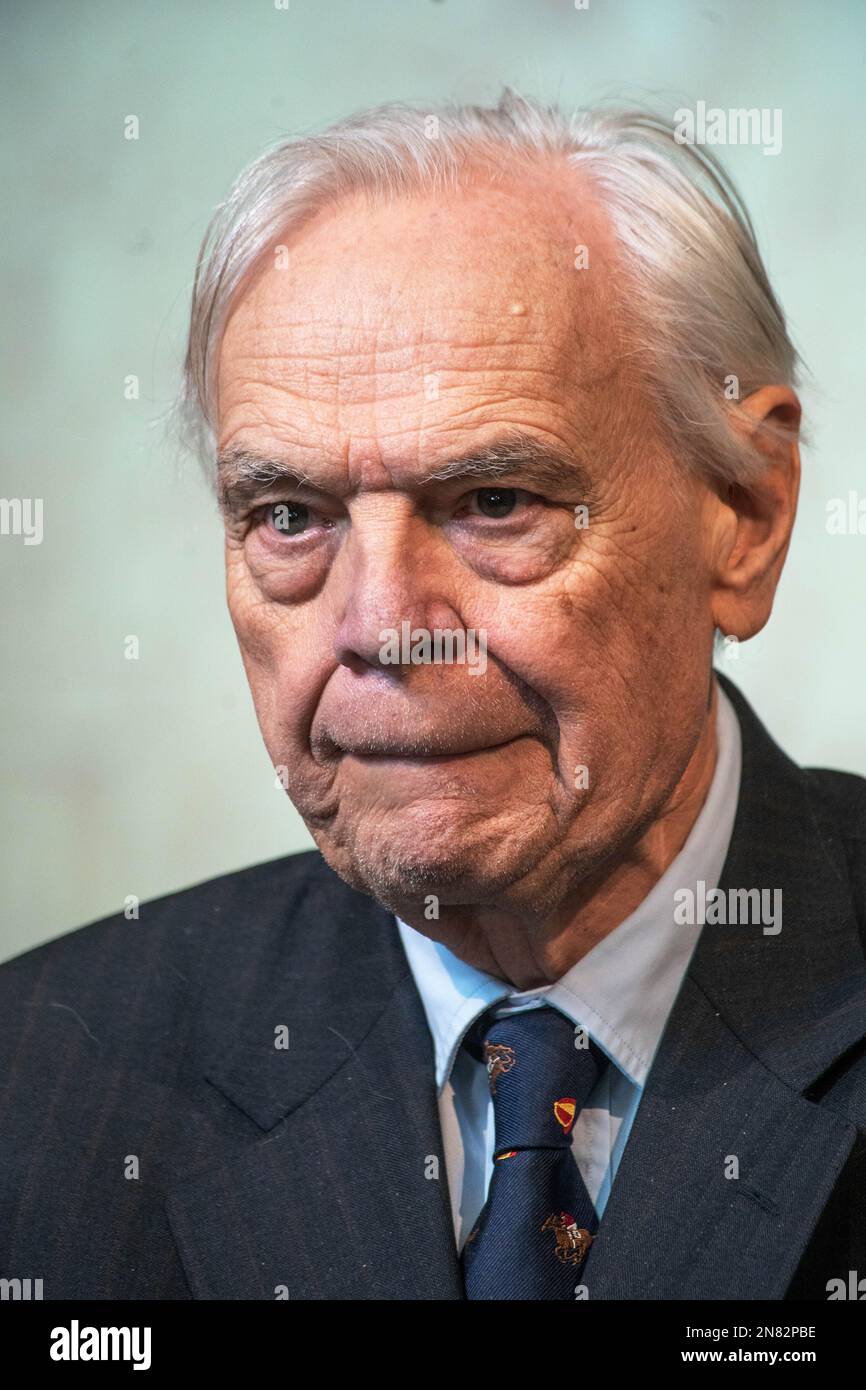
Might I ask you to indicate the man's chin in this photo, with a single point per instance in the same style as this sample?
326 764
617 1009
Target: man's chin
402 872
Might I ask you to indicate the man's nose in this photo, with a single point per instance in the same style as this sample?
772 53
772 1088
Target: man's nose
390 572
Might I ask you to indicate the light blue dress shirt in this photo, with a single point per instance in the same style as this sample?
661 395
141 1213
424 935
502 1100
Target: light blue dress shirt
621 993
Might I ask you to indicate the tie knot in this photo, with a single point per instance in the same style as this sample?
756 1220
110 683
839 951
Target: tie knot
541 1069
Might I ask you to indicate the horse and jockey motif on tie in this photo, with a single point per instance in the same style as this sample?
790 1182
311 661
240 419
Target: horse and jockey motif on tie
572 1241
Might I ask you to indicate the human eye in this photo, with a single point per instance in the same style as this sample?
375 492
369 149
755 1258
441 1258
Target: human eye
499 504
289 520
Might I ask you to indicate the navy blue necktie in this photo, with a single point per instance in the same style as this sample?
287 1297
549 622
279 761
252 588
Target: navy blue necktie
538 1222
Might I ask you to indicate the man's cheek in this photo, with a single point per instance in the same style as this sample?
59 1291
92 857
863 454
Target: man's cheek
259 646
284 679
259 623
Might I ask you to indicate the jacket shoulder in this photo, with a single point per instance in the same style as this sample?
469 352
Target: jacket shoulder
842 797
179 928
844 794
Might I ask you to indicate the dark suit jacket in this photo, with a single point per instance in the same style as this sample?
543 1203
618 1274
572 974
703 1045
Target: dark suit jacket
147 1047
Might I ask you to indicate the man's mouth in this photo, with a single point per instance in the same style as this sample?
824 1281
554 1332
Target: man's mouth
420 751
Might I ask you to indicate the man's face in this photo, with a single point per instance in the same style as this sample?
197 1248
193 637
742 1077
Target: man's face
397 340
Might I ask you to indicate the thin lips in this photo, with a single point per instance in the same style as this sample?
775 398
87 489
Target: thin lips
427 749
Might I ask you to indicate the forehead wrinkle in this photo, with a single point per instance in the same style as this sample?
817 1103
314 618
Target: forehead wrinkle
351 252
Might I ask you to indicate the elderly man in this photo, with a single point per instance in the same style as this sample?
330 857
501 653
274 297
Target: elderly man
571 1004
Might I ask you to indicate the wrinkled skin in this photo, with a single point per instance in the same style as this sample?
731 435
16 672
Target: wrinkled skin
421 780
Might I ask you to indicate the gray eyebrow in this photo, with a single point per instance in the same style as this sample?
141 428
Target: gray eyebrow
550 465
243 472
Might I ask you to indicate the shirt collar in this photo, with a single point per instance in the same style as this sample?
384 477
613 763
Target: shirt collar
622 991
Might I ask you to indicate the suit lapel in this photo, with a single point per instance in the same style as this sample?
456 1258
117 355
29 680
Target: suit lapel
759 1020
343 1195
675 1225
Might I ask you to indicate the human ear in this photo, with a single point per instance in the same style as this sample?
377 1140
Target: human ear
753 521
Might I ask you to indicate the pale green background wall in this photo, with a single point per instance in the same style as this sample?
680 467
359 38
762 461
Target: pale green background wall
143 777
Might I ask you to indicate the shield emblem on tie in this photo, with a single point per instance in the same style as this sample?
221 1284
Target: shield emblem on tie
564 1110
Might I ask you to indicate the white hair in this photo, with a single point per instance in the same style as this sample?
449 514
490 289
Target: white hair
707 328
